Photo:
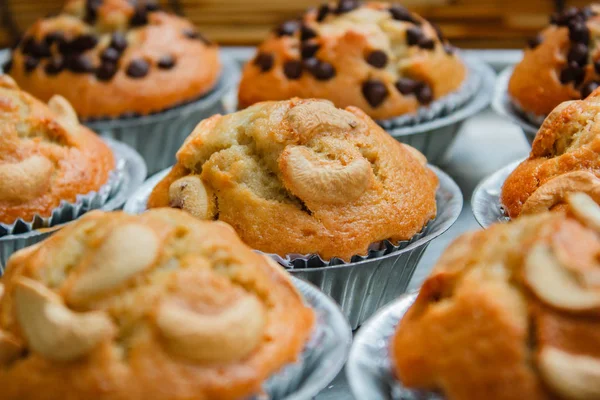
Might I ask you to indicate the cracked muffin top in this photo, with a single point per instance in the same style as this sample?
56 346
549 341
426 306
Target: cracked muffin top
158 306
114 58
562 63
565 158
377 56
511 312
46 156
301 176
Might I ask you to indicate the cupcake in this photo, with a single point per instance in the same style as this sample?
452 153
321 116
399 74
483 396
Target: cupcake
154 306
562 63
302 177
565 158
377 56
510 312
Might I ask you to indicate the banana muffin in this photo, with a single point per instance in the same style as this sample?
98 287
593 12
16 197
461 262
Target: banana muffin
158 306
512 312
565 158
302 177
377 56
562 63
46 156
114 58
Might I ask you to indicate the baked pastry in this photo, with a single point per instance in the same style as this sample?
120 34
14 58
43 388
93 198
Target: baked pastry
564 158
112 58
301 176
512 312
46 156
377 56
158 306
562 63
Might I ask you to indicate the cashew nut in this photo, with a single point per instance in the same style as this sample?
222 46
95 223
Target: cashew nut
10 348
312 178
8 82
65 112
312 117
556 190
585 209
224 337
25 180
53 330
571 376
189 194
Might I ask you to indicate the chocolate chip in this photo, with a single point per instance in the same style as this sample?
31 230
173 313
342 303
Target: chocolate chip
310 64
307 33
31 63
190 33
152 6
166 62
578 32
426 43
424 94
292 69
322 12
400 13
54 66
374 92
407 86
377 58
345 6
587 12
588 88
413 35
597 66
534 42
573 73
35 48
264 61
54 37
83 43
106 71
578 54
110 54
323 71
139 17
288 28
565 17
79 63
137 68
7 66
118 42
308 49
91 10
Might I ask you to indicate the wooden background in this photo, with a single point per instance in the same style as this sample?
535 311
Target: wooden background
468 23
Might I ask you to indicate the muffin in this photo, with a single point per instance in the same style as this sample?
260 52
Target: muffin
377 56
565 157
114 58
511 312
46 156
156 306
303 177
562 63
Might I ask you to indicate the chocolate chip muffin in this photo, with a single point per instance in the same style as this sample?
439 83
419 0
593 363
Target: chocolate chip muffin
46 156
562 63
112 58
303 177
377 56
158 306
565 158
512 312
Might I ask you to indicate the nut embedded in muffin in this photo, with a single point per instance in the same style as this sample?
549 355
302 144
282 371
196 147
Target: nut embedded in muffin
113 58
46 156
510 312
157 306
377 56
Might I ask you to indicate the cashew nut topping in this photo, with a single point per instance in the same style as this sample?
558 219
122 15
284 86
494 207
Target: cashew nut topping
65 112
10 348
311 177
311 118
128 250
8 82
53 330
189 194
25 180
417 154
554 284
572 376
585 209
556 190
221 337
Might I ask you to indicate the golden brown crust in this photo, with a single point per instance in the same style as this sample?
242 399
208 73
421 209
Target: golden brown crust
46 156
95 92
501 316
564 158
174 308
345 41
301 176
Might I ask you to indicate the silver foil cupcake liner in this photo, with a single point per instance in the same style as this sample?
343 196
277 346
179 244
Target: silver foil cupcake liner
485 201
434 137
133 174
369 370
444 105
323 356
506 107
157 137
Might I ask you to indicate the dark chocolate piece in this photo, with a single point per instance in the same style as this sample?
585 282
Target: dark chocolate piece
264 61
288 28
118 42
54 66
588 88
106 71
414 35
374 92
79 64
377 58
534 42
400 13
110 54
307 33
31 63
322 12
137 68
308 49
166 62
292 69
